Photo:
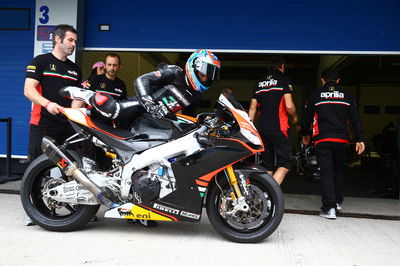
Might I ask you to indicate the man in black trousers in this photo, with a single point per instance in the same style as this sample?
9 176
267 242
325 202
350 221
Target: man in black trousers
327 113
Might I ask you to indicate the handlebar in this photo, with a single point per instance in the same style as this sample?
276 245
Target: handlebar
202 139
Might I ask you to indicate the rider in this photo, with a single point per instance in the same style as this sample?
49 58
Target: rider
168 89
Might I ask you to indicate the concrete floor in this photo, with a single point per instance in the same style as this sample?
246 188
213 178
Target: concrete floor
299 240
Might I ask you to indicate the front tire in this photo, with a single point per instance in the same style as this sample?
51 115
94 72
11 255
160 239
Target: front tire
265 214
53 216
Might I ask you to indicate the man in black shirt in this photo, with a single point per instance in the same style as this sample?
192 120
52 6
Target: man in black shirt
45 75
328 111
109 84
273 97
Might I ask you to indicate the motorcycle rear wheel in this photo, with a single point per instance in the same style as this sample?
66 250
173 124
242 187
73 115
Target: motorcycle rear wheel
64 217
262 219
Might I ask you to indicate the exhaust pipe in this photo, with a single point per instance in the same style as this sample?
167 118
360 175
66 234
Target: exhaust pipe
61 158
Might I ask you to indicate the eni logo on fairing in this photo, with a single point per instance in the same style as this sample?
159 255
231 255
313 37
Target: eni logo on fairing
129 214
137 212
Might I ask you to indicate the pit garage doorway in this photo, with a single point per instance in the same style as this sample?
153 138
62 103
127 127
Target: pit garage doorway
372 79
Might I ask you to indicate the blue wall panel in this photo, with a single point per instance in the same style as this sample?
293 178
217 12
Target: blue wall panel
15 53
250 25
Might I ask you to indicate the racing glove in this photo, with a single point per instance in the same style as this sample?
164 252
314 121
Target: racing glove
106 105
157 110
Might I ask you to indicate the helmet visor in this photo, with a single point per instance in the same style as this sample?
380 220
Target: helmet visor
211 71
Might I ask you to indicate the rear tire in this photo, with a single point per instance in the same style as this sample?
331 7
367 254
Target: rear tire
66 218
261 222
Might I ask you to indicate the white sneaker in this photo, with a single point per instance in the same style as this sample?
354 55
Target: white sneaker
27 220
339 207
331 214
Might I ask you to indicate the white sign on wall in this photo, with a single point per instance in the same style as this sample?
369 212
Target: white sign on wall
50 13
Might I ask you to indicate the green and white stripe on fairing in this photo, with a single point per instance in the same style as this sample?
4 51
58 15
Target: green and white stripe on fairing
202 190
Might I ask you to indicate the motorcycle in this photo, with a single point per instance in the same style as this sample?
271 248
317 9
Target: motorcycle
306 162
162 170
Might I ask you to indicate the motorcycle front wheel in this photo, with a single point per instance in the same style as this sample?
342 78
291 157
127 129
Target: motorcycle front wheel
266 208
45 212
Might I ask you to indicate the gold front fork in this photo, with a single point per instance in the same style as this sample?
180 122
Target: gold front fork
233 181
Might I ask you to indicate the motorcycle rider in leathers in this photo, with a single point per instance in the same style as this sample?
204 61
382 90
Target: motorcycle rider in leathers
168 89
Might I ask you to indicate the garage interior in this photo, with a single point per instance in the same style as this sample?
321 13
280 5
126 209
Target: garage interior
372 79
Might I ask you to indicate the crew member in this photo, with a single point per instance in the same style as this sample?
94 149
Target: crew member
328 112
273 97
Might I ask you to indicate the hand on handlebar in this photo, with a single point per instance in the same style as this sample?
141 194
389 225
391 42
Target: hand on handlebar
156 110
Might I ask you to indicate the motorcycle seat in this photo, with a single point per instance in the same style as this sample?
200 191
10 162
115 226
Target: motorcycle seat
110 130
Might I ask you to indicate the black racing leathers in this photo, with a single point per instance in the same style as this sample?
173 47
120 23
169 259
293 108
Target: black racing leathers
330 109
167 85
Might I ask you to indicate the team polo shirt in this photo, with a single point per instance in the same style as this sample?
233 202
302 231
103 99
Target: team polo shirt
52 74
115 88
330 109
269 93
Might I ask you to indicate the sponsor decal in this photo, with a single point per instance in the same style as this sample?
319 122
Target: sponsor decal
190 215
80 199
80 187
165 208
267 83
45 33
53 67
68 189
47 47
137 212
86 84
62 163
118 90
72 72
332 95
31 67
290 87
103 85
171 103
126 212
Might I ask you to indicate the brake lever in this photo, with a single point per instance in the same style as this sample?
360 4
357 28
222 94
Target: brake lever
203 140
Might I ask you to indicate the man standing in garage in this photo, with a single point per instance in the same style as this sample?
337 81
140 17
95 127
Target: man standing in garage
328 112
273 97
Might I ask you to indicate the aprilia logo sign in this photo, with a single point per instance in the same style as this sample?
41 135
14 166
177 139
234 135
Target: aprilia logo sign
332 95
269 83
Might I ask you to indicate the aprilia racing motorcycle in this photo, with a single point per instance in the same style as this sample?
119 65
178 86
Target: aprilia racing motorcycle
163 170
